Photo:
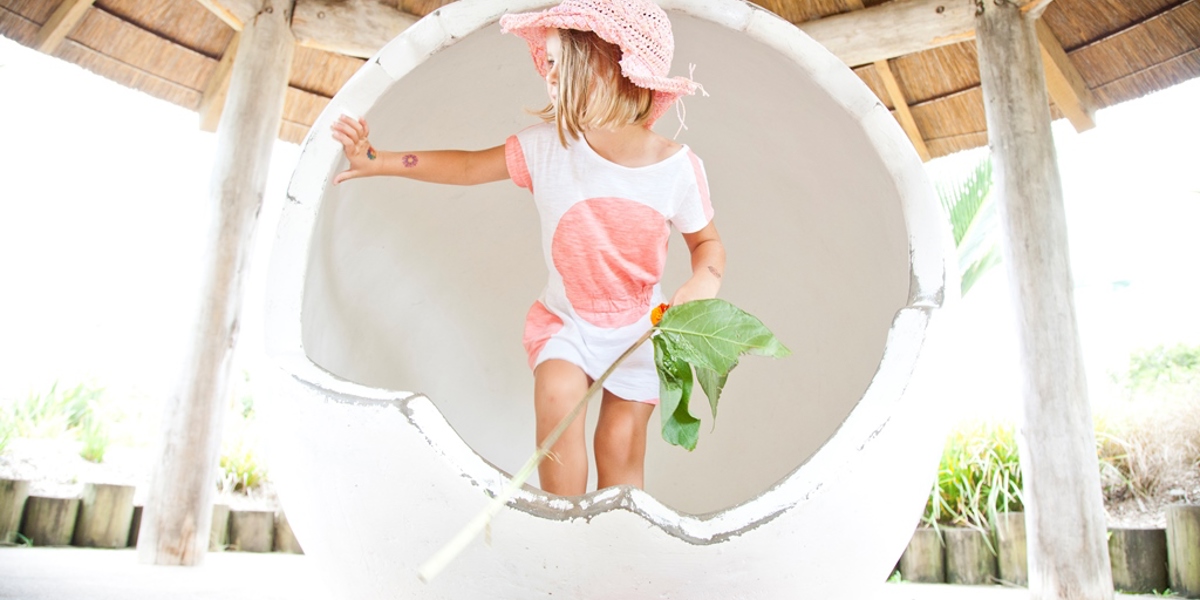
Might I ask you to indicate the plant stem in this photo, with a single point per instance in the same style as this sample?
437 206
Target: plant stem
459 542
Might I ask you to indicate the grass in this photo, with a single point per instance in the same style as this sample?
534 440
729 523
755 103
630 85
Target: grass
81 410
979 476
1150 439
1145 444
88 414
242 469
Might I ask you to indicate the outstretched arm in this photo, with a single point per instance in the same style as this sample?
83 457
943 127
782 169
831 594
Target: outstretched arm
459 167
708 265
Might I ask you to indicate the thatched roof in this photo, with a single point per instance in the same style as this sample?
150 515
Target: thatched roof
172 49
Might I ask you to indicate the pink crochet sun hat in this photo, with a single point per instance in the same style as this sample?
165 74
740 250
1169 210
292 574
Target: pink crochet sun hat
638 27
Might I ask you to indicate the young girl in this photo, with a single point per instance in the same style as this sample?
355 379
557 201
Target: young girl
607 189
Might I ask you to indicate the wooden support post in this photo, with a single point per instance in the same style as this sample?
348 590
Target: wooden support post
59 25
217 88
1064 512
178 512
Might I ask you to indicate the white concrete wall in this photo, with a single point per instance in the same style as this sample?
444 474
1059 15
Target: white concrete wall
420 287
835 240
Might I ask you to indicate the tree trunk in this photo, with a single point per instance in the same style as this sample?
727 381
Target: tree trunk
178 509
1065 527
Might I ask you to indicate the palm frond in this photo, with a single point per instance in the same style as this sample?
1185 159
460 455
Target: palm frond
974 221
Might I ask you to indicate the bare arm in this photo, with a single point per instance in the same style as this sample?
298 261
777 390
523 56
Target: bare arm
458 167
708 265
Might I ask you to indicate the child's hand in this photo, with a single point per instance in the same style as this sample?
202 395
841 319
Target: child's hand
352 134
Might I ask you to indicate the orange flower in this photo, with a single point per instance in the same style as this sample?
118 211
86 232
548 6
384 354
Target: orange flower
656 315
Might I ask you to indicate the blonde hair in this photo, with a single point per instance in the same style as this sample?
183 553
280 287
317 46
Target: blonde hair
592 92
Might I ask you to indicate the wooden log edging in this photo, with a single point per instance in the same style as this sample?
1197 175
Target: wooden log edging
1139 557
1139 560
924 560
1183 549
218 537
105 516
135 526
285 540
252 530
969 557
50 521
1012 562
13 494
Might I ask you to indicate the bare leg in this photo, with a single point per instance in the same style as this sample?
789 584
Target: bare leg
557 387
621 442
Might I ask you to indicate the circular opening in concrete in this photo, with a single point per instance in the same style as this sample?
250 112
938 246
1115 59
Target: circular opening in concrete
412 286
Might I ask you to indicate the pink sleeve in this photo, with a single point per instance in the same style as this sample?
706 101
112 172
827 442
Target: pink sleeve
695 210
514 158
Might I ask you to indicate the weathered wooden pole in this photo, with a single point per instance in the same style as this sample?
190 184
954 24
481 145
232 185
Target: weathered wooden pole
1065 526
178 512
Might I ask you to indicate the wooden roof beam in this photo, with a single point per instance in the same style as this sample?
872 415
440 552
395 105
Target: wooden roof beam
59 25
212 104
903 114
235 13
893 29
899 102
900 27
350 27
1063 81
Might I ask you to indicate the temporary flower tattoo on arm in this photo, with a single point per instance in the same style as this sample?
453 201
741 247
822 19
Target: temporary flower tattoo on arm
714 271
410 160
371 153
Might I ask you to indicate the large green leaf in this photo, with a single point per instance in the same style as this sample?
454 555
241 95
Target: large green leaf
712 383
679 427
709 335
713 333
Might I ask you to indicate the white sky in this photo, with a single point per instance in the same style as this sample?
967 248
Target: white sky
104 195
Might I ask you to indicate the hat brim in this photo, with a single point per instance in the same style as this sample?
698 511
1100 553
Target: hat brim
532 28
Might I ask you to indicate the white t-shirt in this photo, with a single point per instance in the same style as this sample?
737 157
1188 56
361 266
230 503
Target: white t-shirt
604 235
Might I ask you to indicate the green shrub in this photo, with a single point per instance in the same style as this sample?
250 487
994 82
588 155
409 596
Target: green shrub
78 409
59 409
979 476
242 469
7 428
1160 365
94 435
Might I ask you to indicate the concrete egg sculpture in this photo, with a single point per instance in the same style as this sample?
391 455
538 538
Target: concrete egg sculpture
379 286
